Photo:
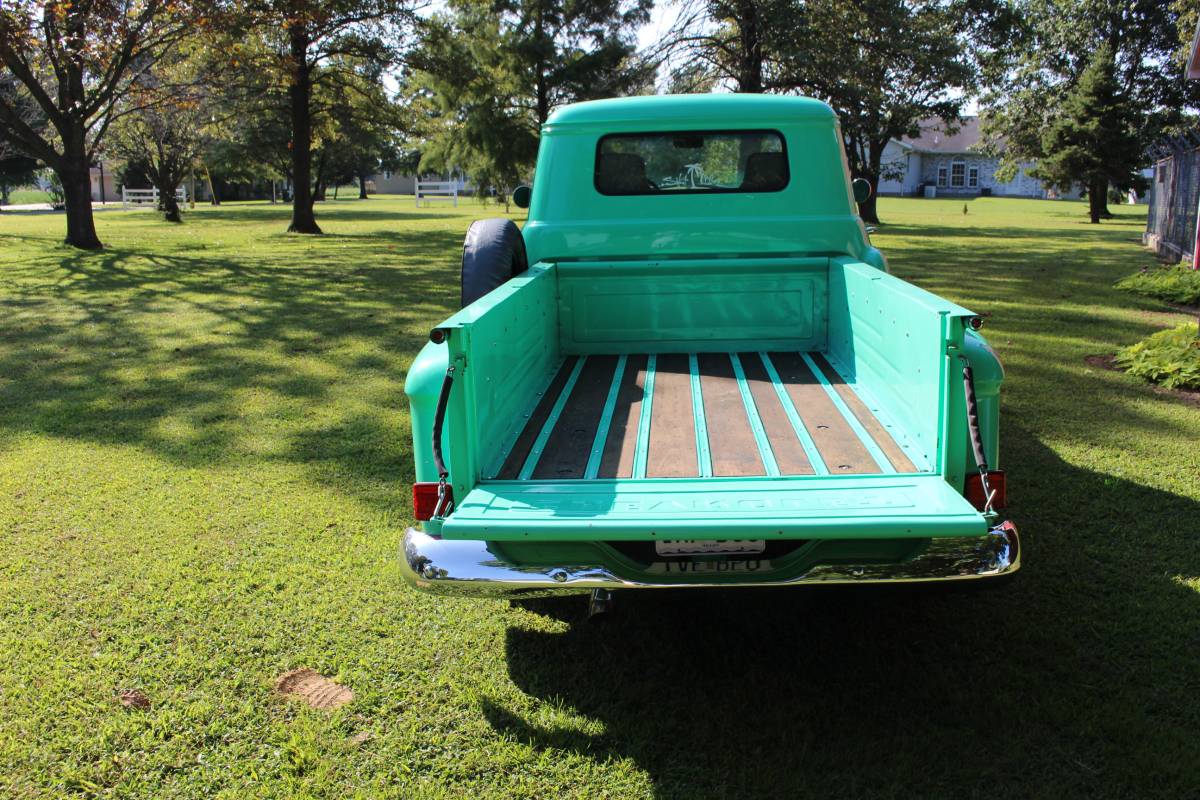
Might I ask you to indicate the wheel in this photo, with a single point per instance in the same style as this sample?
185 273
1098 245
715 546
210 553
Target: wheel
493 252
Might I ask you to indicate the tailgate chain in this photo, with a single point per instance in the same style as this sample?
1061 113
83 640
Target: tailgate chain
976 436
444 505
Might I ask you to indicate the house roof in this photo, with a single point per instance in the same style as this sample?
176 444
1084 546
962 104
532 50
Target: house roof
934 138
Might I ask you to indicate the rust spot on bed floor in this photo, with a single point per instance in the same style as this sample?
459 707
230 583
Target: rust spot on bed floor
313 688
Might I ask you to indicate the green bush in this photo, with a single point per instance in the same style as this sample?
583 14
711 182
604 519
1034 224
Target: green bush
1178 284
1170 357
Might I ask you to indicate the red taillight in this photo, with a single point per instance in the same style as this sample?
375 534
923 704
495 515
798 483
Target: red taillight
976 495
425 498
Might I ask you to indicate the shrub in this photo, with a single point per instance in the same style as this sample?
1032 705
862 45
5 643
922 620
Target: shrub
1170 357
1178 284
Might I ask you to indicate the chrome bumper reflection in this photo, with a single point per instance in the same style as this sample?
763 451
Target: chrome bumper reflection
467 567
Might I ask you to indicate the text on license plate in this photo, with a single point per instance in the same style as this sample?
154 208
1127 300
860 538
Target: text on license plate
691 547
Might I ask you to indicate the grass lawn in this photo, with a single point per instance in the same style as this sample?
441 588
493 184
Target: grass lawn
25 196
204 470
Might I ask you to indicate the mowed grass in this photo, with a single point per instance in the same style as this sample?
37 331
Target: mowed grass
27 195
204 476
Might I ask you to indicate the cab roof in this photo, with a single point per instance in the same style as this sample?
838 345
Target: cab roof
744 110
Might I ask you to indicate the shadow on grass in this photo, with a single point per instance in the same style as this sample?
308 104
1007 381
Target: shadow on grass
188 355
1077 678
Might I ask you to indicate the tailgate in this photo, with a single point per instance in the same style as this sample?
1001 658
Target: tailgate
844 507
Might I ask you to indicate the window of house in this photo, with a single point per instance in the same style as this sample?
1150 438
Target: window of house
958 174
941 175
691 162
973 177
387 175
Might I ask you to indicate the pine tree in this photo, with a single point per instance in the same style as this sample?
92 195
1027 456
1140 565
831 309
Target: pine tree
1093 141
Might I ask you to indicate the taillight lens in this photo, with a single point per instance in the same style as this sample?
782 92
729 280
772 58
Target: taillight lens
976 495
425 497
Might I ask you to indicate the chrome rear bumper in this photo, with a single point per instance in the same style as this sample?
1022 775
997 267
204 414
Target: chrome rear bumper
467 567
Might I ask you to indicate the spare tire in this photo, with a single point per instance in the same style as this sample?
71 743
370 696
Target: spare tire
493 252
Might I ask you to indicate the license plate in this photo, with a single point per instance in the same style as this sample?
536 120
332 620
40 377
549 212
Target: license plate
691 547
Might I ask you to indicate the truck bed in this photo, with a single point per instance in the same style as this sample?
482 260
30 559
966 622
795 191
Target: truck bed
689 415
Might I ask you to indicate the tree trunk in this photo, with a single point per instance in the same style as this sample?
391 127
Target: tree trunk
168 202
1104 212
868 210
362 187
1095 201
77 194
750 57
300 94
212 190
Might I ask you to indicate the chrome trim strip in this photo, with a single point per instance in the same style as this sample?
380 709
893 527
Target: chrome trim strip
467 567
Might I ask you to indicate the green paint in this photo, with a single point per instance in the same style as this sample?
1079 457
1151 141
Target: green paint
755 272
642 448
593 465
880 459
845 507
703 456
539 444
806 440
760 433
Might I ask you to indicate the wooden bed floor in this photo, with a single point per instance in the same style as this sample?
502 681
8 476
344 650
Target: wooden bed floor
686 415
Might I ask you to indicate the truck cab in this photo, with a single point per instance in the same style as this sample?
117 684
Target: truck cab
700 374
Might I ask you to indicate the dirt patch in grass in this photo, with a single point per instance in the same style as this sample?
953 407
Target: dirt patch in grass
313 688
132 698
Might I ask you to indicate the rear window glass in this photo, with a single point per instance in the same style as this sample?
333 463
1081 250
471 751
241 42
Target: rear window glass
691 162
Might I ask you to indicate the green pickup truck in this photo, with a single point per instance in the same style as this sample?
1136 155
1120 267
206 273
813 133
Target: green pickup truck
692 369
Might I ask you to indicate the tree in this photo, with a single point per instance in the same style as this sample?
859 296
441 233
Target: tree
1092 142
307 40
77 62
364 134
883 65
1040 68
15 170
165 138
488 75
730 42
899 63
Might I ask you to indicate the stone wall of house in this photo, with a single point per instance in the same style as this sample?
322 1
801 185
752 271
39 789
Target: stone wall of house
1023 185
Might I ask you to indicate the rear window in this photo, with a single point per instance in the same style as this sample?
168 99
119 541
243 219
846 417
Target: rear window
691 162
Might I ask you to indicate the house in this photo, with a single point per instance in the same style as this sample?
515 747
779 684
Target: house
951 160
104 184
395 183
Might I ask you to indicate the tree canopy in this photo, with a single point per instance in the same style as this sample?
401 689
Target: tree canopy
77 65
1034 80
488 73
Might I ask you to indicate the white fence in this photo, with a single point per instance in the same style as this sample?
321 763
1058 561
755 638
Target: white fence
428 191
134 198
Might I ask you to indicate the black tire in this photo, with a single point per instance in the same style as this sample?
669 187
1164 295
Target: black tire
493 252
